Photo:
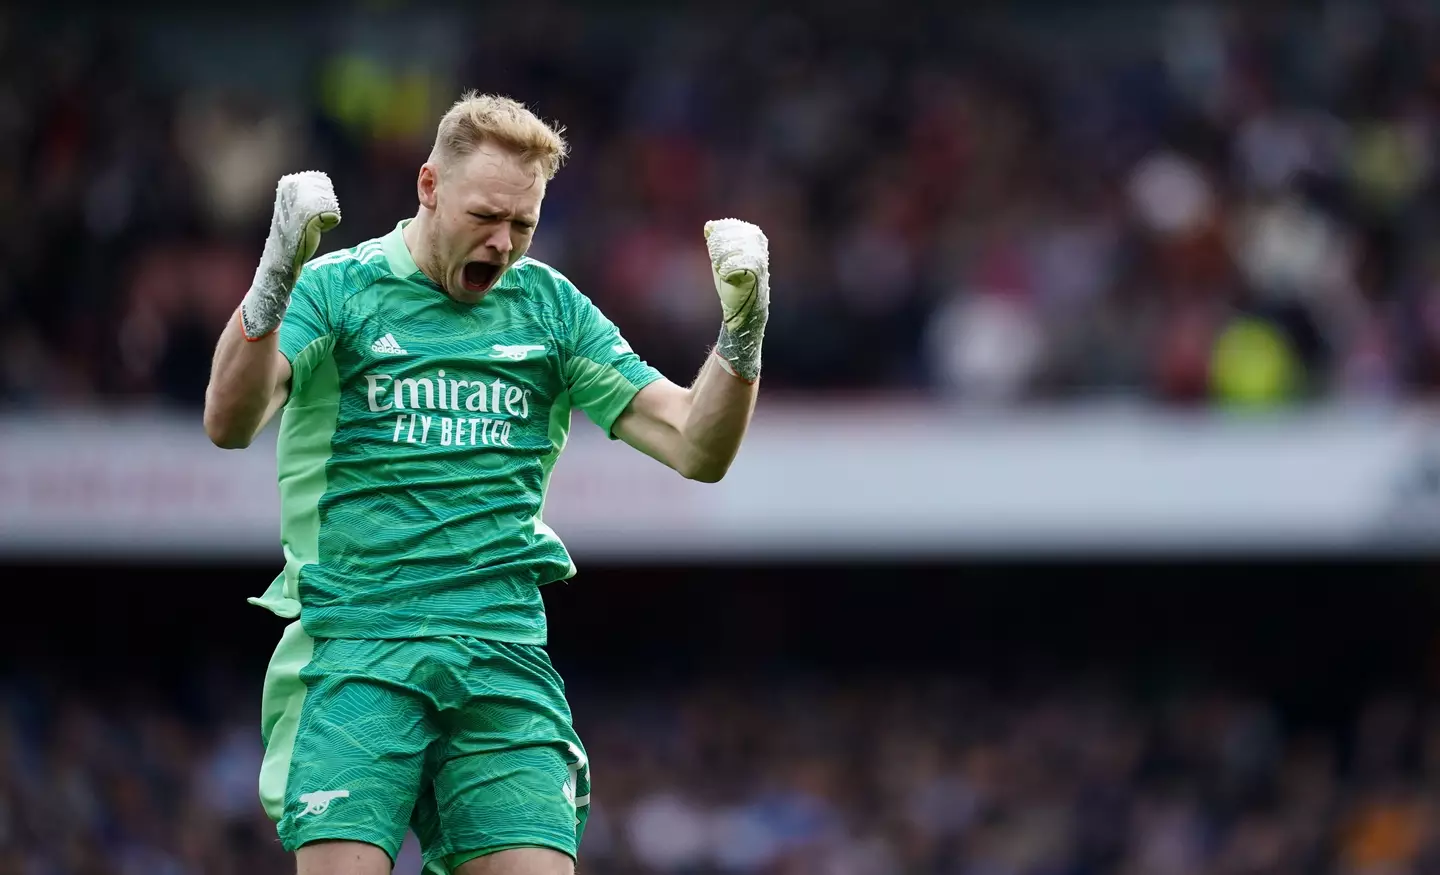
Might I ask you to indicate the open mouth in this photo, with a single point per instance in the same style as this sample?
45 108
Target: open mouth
479 276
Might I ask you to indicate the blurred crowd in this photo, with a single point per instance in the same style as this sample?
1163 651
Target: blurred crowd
1190 204
882 778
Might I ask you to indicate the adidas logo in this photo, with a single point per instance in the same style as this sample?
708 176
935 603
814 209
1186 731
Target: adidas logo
388 346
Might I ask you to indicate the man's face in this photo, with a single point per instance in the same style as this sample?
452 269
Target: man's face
485 208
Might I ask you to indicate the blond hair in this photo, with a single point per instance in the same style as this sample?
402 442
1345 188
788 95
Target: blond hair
476 119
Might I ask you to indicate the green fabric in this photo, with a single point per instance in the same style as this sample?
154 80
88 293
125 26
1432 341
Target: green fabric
468 742
282 700
419 439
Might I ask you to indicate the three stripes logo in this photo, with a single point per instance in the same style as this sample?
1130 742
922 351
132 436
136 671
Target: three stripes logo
387 345
365 253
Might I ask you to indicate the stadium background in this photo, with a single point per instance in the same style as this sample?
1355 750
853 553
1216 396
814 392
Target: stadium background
1089 520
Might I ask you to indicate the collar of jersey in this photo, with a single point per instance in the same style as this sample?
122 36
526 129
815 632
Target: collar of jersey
402 263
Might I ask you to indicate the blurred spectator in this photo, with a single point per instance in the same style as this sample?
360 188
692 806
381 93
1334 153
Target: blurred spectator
869 779
1216 203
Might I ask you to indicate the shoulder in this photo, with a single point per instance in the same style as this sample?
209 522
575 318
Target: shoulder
342 273
552 293
541 279
553 289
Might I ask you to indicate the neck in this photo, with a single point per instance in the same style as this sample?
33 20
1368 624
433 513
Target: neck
415 234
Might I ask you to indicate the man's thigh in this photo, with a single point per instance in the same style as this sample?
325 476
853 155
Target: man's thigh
346 745
512 775
520 861
342 858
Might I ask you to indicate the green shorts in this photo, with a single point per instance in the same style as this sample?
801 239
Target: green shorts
468 742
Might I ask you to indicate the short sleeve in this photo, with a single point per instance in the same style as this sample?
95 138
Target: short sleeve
602 372
306 321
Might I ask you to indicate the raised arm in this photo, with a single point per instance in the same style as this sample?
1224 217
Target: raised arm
249 376
698 431
249 381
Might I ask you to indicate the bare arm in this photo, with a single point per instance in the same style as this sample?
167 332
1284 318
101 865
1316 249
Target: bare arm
249 377
249 381
696 431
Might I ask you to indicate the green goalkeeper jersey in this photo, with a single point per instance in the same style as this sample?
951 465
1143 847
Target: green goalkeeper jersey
418 440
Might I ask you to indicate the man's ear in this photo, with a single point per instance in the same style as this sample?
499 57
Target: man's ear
427 183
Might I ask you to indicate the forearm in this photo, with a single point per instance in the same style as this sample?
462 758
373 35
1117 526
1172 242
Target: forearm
722 398
244 375
248 376
718 415
697 431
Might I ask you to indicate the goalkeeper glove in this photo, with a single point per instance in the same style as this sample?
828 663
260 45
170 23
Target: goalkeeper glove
740 262
305 208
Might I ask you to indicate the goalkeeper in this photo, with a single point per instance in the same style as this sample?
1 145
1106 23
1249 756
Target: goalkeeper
425 381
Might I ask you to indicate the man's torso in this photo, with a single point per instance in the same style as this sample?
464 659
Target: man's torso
418 441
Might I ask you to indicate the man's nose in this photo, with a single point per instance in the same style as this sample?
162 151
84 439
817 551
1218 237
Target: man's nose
499 238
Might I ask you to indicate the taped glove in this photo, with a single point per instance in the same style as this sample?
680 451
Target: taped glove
740 262
305 208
